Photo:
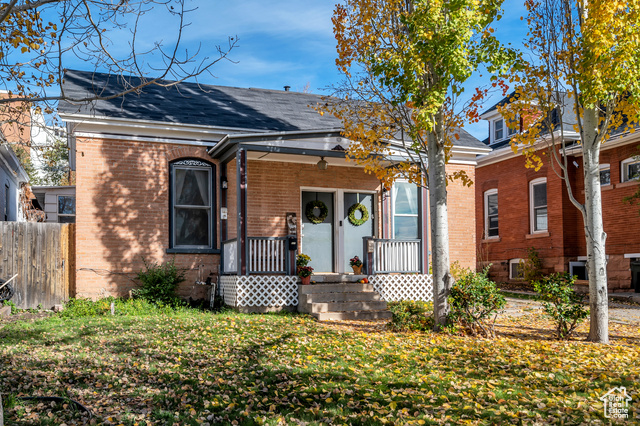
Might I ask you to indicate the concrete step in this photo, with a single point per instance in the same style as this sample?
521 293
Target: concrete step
334 288
354 315
348 306
337 278
364 296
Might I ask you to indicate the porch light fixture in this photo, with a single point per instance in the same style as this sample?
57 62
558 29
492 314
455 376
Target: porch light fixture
322 164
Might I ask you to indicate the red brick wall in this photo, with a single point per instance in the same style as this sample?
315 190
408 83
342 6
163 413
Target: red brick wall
566 238
462 221
122 215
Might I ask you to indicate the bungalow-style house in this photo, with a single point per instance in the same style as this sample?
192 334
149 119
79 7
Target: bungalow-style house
232 183
518 208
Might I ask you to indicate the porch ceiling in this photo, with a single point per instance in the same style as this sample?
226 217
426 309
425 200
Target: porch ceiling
298 158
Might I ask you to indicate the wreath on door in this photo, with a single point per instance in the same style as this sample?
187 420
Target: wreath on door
309 211
352 214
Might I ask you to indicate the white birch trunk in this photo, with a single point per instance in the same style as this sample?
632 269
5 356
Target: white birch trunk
594 231
439 224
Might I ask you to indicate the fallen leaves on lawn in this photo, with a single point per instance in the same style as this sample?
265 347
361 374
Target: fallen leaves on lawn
203 368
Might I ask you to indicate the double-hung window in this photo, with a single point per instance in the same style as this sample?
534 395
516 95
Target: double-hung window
605 174
498 131
405 210
491 213
66 209
630 169
538 205
191 205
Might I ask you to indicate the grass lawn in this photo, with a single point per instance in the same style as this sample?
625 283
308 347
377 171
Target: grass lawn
194 368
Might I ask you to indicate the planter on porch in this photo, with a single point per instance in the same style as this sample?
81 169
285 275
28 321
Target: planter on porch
306 280
357 270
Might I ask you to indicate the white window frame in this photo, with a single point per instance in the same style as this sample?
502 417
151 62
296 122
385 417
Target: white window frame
393 209
173 206
511 262
602 168
495 129
624 168
487 193
576 263
532 219
64 214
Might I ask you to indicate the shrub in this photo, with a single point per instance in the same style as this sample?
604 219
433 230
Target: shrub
561 303
531 269
410 315
159 283
475 302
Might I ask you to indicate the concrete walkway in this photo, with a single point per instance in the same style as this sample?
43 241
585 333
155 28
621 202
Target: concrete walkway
623 313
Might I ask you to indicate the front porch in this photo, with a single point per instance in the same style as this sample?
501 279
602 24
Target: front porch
297 193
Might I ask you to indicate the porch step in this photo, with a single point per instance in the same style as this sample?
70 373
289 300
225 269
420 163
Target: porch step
348 306
356 315
338 297
363 296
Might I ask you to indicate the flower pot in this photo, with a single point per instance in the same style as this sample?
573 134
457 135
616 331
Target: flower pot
306 280
357 270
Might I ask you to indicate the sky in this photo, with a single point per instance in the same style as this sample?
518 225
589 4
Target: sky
281 42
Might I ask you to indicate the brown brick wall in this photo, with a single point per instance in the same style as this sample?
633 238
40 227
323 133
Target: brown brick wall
122 203
566 238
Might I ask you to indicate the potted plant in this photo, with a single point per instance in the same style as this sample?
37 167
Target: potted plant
356 265
304 272
302 260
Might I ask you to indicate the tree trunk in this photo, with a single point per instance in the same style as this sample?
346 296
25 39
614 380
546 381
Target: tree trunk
594 231
439 223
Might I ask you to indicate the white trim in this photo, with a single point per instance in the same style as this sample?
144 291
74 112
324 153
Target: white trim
487 193
177 141
393 209
506 153
494 126
338 212
623 169
572 264
532 223
631 255
140 123
516 261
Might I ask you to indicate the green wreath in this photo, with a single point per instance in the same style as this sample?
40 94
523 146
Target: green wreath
352 214
324 211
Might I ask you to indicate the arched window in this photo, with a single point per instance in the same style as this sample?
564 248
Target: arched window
191 199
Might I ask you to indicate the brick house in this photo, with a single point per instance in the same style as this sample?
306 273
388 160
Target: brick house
224 180
518 208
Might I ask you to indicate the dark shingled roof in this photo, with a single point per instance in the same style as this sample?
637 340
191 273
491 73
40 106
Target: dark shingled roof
205 105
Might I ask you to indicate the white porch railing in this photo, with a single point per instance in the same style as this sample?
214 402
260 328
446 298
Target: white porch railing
230 256
391 256
268 255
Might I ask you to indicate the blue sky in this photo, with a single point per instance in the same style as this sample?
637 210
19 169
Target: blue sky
284 42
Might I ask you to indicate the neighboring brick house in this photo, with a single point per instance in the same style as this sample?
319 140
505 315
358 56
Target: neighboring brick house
518 208
221 178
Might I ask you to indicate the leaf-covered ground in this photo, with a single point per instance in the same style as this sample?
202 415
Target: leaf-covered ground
267 369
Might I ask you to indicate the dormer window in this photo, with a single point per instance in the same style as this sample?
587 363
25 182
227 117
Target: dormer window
498 132
513 127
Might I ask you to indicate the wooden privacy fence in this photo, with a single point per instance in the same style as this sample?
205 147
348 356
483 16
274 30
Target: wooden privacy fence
43 256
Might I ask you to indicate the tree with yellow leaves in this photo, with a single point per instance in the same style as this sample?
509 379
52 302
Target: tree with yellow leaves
404 63
579 89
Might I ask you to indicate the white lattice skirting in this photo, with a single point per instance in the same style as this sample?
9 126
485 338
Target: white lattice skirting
393 288
259 290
